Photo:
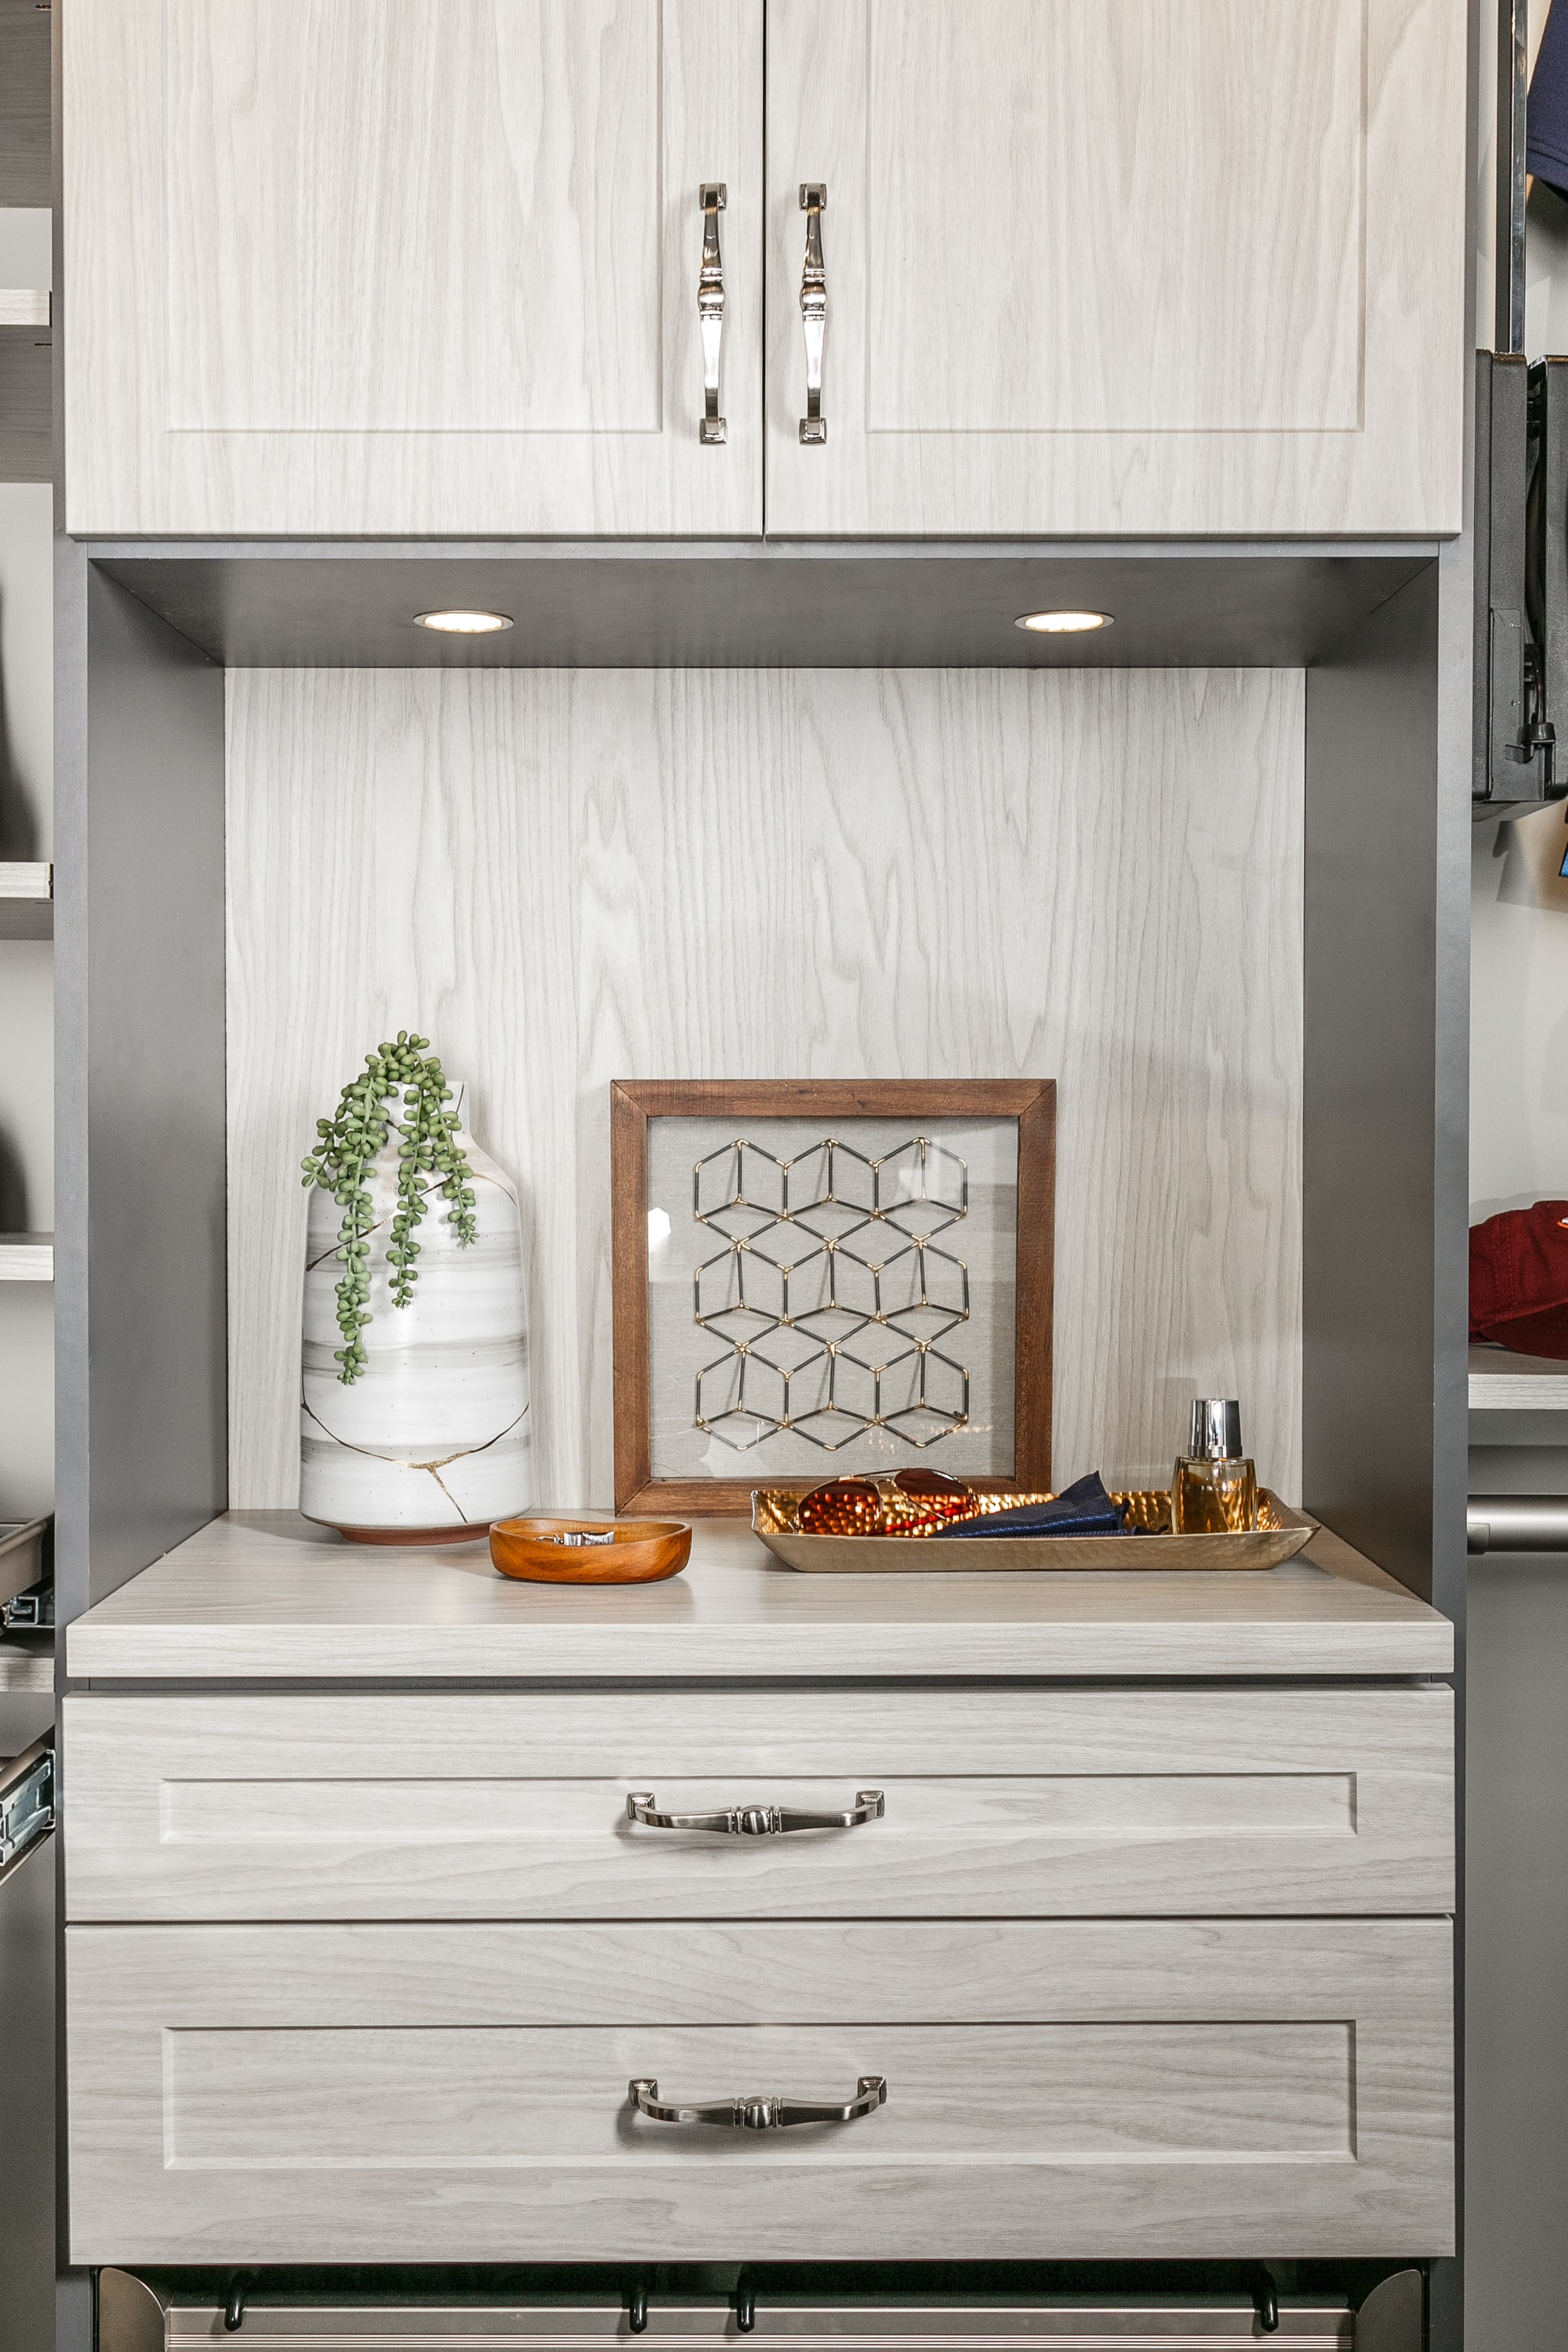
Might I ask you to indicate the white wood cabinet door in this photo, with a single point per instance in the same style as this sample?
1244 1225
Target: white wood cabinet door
1119 267
1078 2089
361 266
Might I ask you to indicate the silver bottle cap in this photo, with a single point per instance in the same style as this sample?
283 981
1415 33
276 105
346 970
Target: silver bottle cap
1214 1432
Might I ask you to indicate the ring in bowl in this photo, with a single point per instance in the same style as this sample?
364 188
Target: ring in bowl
590 1551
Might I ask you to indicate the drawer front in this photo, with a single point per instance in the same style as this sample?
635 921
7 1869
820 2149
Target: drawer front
1041 1803
334 2094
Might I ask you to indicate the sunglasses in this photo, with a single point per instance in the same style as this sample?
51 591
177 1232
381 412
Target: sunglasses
907 1504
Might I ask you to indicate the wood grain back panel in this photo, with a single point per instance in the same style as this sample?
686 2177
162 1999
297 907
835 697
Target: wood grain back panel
566 878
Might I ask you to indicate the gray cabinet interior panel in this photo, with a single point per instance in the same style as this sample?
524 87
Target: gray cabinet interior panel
631 605
140 1374
1384 1182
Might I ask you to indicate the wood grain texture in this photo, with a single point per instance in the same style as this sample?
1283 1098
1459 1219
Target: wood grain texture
1025 1804
567 878
1280 348
26 1665
1084 2089
359 270
1502 1382
264 1593
26 1257
1031 1104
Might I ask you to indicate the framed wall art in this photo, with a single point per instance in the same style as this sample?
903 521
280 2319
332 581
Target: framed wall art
818 1277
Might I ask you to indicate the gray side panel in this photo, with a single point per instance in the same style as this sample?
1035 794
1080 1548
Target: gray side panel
1386 1205
27 2101
140 1384
1516 1998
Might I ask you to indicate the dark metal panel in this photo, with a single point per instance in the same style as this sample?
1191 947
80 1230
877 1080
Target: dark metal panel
27 2101
1381 1188
1516 2000
1386 1082
1513 758
26 448
759 604
23 103
140 1388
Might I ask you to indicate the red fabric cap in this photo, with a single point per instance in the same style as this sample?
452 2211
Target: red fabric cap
1519 1279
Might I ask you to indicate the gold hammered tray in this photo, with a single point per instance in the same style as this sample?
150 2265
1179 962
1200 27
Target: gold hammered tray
1280 1533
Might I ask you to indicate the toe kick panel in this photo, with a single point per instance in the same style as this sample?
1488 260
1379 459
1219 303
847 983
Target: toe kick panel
254 2093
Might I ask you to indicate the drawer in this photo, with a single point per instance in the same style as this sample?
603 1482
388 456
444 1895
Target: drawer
1054 2089
1025 1803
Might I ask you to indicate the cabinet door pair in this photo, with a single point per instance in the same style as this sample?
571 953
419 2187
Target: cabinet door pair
1061 267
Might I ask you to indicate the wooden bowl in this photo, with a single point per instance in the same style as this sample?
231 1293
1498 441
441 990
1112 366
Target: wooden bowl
641 1551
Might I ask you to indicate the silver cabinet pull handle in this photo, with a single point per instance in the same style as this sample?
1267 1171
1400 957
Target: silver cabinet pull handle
768 2113
714 196
814 310
755 1820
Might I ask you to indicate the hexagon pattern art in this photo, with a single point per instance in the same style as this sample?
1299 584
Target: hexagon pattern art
835 1291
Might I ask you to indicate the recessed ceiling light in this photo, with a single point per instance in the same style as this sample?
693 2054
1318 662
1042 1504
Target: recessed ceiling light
1062 624
463 624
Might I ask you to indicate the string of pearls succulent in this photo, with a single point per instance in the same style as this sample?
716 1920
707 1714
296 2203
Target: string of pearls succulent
430 1159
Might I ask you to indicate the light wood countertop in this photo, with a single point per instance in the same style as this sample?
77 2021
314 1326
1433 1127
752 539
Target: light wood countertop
264 1595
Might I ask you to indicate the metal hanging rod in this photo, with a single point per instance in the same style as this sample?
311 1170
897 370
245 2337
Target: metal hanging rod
1517 1523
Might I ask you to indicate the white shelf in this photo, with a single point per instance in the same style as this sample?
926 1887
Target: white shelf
1501 1381
267 1595
24 306
26 1257
26 901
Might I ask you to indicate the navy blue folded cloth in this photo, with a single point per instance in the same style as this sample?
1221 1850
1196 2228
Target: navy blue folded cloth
1084 1509
1546 112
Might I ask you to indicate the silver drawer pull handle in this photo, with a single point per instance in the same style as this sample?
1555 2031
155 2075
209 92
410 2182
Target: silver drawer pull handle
769 2114
754 1820
814 310
713 196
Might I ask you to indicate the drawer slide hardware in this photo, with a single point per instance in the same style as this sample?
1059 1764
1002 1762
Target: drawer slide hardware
755 1820
27 1803
771 2112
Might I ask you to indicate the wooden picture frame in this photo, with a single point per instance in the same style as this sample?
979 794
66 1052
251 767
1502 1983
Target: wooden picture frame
635 1103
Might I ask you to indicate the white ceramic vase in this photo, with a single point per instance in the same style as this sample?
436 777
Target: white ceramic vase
433 1441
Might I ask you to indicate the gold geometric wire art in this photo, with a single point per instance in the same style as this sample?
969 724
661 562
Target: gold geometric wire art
831 1294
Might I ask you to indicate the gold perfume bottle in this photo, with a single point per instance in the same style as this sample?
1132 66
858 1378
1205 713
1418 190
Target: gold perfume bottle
1214 1488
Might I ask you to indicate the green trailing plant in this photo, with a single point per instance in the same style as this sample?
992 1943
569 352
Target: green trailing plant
430 1161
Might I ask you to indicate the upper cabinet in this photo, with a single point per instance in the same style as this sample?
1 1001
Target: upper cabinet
415 267
1119 267
1062 266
